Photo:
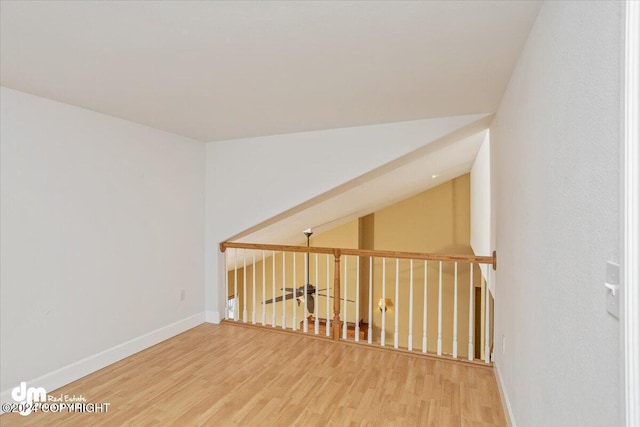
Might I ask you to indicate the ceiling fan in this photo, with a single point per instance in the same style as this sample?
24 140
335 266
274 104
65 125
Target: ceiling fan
299 293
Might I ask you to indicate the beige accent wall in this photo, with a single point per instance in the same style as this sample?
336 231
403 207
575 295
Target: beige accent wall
436 220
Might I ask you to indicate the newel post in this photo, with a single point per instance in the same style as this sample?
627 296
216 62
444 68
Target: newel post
336 295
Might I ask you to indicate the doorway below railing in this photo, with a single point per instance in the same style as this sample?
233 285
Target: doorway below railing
417 302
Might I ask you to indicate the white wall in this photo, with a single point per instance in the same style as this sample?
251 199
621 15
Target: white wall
102 226
555 146
251 180
480 204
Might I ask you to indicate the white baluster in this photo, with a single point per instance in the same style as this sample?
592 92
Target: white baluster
487 355
410 337
396 334
236 306
357 337
440 310
455 310
344 301
273 288
370 328
253 282
264 290
284 291
305 321
424 311
244 286
316 328
328 320
226 283
294 300
384 302
471 306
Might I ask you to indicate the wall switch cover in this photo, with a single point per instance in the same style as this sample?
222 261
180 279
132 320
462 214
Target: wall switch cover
613 289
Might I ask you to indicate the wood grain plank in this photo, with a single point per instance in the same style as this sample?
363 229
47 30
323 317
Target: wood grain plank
232 375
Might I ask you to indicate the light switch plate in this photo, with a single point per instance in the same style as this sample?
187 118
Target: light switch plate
613 278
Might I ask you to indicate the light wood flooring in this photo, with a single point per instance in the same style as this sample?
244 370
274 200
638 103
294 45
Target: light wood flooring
233 375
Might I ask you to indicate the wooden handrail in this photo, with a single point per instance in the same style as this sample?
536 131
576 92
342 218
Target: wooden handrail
363 252
277 248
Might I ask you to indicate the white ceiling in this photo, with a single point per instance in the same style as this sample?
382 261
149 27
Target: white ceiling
224 70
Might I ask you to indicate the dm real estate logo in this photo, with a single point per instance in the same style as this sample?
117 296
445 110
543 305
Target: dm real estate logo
26 397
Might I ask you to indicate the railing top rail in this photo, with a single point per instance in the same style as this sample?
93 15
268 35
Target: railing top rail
363 252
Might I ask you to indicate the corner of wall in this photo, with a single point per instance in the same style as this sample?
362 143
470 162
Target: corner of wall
212 317
88 365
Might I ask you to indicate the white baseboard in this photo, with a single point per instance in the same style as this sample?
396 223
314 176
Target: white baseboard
504 398
212 316
83 367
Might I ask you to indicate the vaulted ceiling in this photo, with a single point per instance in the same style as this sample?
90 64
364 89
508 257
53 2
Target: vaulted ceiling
443 157
225 70
222 70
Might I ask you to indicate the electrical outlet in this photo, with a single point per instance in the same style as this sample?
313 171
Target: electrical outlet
182 295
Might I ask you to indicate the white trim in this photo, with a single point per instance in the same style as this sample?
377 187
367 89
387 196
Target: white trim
212 316
631 213
506 405
83 367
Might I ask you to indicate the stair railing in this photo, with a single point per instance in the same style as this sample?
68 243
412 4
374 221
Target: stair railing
359 278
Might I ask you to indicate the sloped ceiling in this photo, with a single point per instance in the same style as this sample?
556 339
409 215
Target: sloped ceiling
438 161
218 71
225 70
420 172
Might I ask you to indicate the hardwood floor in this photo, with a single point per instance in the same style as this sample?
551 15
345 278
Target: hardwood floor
233 375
